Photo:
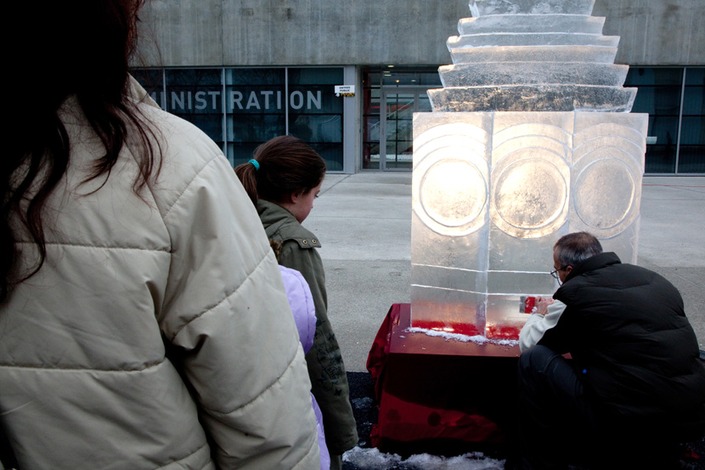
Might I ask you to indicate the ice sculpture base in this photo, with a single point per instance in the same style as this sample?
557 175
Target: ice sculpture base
440 396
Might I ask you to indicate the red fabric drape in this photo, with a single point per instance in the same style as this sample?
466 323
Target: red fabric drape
402 420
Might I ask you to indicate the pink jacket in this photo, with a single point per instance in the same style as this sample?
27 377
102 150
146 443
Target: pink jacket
304 310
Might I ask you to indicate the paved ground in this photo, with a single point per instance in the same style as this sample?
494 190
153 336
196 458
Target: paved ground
364 223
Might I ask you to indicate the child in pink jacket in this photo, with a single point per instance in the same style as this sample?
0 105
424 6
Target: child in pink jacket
304 311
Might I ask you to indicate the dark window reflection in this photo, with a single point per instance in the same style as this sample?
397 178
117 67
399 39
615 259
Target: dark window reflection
242 108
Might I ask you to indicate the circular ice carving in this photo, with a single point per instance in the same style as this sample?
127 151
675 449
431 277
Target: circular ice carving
529 197
453 195
604 196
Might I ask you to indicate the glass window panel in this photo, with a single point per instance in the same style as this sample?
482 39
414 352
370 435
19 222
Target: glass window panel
314 99
695 76
371 79
665 129
315 113
657 100
424 103
432 80
658 90
405 147
211 124
371 104
660 159
331 153
255 91
639 76
399 154
659 95
317 128
255 109
192 77
240 152
691 159
693 130
371 126
148 77
316 76
691 154
257 104
400 147
257 128
400 106
694 97
193 91
255 99
389 79
372 129
391 150
399 130
261 76
405 77
152 81
661 155
370 155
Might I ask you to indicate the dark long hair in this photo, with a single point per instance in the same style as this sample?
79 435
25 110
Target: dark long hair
283 166
79 48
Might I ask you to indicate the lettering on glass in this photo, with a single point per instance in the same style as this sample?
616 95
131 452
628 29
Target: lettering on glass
260 100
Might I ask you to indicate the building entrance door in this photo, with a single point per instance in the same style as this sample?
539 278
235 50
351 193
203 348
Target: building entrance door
396 126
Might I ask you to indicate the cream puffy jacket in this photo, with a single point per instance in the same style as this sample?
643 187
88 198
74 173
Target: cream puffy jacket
84 377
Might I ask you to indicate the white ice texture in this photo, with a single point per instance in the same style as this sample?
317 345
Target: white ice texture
532 55
493 191
530 138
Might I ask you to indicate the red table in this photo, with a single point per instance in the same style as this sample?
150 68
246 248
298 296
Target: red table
439 395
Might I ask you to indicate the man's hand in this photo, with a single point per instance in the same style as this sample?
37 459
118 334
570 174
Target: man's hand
542 304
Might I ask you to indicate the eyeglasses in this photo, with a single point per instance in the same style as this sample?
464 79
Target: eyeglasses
554 273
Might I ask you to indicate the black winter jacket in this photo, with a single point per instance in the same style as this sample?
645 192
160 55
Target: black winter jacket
626 330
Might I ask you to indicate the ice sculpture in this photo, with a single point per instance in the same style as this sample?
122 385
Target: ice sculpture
530 138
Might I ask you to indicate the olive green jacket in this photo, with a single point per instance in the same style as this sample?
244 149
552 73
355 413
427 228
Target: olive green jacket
325 362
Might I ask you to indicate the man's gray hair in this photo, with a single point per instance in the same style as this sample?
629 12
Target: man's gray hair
574 248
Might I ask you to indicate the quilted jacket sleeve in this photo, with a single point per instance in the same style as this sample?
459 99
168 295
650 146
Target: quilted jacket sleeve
537 324
226 313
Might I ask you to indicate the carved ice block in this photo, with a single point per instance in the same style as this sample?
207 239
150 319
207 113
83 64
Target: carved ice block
533 73
545 53
531 39
503 7
493 191
523 23
534 97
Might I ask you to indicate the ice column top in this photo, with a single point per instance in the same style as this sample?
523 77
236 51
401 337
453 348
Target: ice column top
532 55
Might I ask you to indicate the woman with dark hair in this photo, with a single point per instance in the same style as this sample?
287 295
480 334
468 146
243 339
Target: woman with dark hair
283 179
143 320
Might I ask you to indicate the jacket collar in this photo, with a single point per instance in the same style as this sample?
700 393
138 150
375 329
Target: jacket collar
593 263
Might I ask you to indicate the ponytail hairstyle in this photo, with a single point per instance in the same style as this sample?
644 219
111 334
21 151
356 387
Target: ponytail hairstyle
82 49
280 167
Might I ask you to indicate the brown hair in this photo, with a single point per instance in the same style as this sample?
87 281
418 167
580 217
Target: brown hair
61 61
283 166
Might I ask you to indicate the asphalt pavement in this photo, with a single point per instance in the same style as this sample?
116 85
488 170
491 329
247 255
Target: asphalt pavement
364 223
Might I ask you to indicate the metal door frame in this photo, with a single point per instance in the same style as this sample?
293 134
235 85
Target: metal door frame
384 92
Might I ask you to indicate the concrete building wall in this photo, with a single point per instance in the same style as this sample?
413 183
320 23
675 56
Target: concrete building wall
655 32
379 32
